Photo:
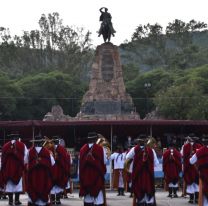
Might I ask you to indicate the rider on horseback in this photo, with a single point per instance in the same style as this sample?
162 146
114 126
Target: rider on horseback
105 17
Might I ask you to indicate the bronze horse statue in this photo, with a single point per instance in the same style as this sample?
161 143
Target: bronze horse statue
106 31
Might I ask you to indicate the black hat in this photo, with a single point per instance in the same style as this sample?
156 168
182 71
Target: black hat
14 135
204 139
91 136
139 140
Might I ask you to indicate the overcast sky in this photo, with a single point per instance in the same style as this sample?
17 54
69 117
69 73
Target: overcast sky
18 15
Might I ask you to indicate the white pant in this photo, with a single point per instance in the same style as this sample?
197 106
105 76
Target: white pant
191 189
11 187
96 200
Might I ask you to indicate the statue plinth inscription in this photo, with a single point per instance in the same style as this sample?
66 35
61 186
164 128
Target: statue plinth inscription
107 95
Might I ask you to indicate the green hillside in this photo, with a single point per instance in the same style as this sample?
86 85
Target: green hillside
52 65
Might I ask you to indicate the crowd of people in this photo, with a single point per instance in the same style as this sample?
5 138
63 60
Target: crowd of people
42 171
48 163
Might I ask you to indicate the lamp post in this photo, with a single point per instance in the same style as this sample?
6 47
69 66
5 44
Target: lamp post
147 86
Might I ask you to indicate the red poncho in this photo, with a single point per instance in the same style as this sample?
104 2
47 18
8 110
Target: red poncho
202 163
61 169
143 173
91 170
190 172
172 166
12 161
39 176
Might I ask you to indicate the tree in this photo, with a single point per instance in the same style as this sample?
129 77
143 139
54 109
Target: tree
185 101
42 91
196 26
158 78
8 97
176 27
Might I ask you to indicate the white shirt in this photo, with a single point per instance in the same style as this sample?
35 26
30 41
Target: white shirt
119 160
131 154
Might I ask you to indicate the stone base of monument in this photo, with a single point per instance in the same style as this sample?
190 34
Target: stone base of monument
107 98
56 114
81 116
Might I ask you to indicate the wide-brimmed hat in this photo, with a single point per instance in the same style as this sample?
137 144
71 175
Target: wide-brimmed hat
139 140
204 139
14 135
92 136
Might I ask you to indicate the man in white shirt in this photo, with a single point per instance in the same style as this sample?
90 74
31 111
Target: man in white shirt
118 157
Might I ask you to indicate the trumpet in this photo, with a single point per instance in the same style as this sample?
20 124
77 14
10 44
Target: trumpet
102 141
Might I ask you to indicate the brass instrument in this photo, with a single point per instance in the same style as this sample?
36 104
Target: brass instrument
151 142
49 145
102 141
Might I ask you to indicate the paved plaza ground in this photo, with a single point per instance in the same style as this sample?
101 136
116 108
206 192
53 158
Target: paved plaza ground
114 200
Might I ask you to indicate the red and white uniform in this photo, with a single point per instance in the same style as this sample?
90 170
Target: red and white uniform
61 169
201 159
144 160
172 166
91 173
39 175
14 155
191 175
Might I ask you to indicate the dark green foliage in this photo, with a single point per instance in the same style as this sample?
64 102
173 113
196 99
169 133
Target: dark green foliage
51 66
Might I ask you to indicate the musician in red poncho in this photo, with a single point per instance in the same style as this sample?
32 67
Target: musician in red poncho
14 154
191 175
39 174
172 167
200 158
92 169
144 160
61 171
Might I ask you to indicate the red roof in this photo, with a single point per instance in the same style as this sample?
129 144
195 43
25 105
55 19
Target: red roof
41 123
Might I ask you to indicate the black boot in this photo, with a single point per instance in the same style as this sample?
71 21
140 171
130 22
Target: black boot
53 197
141 204
17 201
196 197
88 204
191 200
10 198
122 191
58 199
119 191
170 190
175 192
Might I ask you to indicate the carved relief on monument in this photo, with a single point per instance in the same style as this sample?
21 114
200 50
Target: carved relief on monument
107 67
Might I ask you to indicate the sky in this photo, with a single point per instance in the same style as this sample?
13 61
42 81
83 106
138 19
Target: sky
19 15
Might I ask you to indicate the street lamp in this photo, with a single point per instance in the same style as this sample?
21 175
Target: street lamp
147 85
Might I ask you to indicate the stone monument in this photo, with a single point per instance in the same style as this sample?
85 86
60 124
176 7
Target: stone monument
56 114
107 98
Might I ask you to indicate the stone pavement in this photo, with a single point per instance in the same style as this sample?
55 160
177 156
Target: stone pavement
114 200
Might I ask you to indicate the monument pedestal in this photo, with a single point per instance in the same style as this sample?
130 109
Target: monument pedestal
107 98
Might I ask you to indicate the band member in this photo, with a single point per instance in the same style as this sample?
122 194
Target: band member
118 172
61 171
172 167
144 160
200 158
92 169
39 174
14 154
191 175
128 167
